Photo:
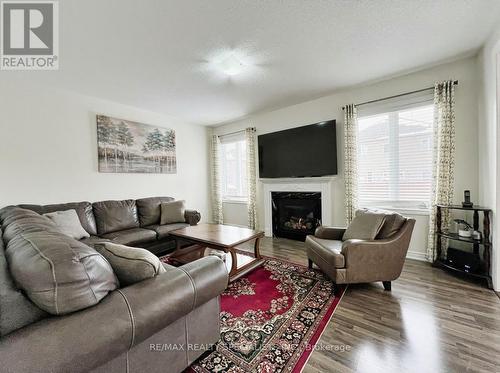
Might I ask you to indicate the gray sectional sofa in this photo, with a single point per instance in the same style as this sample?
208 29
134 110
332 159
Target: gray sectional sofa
127 222
145 327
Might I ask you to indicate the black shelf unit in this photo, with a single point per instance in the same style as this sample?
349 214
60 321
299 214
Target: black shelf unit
485 242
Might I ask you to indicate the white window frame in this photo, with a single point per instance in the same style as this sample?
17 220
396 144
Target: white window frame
230 139
390 107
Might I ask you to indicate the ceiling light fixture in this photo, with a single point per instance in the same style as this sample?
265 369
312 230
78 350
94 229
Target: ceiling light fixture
230 65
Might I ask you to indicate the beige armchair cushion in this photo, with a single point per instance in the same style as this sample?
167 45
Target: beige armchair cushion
392 224
326 251
365 226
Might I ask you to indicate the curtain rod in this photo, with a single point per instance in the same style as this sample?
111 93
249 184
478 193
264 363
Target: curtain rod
455 82
235 132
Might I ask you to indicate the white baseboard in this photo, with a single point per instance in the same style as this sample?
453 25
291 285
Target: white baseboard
416 256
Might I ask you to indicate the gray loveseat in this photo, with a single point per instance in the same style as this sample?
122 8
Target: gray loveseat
160 324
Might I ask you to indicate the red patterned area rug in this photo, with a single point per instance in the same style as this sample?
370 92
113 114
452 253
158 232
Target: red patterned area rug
271 319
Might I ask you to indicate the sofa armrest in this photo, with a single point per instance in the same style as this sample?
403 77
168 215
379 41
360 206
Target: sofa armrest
210 278
361 250
192 217
157 302
329 233
120 321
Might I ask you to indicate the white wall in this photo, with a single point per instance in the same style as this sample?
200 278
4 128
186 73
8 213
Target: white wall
330 107
48 151
235 213
489 141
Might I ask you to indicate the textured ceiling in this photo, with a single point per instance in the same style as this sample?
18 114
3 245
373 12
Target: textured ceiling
156 54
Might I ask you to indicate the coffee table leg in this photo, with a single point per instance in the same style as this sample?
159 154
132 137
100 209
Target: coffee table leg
256 249
234 262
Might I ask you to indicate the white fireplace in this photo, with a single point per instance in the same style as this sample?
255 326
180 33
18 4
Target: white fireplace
309 184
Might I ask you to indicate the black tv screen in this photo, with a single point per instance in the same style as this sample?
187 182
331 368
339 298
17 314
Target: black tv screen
299 152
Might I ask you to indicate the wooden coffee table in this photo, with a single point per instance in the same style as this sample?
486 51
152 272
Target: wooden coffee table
219 237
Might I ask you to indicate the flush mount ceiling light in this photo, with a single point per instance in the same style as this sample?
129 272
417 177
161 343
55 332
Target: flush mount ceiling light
237 64
230 65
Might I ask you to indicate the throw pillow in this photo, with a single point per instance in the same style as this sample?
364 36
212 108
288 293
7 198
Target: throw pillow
392 224
173 212
68 223
365 226
130 264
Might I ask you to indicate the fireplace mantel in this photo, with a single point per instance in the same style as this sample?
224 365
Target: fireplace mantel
306 184
298 180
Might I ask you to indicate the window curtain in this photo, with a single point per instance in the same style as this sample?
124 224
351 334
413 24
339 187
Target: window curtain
216 180
444 160
251 178
350 161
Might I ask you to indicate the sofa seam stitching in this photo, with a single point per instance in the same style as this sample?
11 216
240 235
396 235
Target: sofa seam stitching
90 282
132 319
195 298
51 269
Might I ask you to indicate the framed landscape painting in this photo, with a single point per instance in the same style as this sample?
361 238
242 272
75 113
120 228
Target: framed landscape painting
131 147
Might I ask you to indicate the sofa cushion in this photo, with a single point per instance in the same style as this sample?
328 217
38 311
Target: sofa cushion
16 220
327 251
28 225
59 274
134 236
16 310
83 210
130 264
92 240
173 212
365 226
149 209
112 216
11 214
68 223
163 230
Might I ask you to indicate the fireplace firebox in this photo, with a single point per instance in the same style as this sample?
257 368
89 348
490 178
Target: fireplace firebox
295 214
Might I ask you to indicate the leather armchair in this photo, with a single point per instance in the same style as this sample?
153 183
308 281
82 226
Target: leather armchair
359 261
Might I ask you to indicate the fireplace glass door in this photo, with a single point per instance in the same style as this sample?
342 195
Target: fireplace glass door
295 214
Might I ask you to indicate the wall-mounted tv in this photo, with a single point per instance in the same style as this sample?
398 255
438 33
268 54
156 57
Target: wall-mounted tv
305 151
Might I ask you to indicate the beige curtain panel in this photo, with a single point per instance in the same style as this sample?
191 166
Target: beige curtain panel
251 177
216 180
350 161
444 159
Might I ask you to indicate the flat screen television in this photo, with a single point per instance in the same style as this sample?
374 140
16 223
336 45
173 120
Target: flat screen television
305 151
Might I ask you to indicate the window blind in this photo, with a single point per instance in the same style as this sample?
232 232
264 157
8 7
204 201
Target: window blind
395 152
233 167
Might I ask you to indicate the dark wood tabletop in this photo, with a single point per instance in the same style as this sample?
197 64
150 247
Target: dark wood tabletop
217 234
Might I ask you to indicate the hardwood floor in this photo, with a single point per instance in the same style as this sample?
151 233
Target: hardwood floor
431 321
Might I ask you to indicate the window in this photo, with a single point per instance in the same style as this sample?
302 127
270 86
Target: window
395 154
233 167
